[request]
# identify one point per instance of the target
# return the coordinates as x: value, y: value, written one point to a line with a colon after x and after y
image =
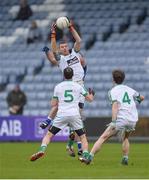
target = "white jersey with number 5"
x: 72, y: 60
x: 68, y: 95
x: 125, y: 96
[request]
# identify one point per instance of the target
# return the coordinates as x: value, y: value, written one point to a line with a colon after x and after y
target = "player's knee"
x: 54, y: 130
x: 80, y: 132
x: 81, y: 105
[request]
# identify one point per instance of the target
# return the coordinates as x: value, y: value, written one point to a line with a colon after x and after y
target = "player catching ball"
x: 124, y: 116
x: 63, y: 57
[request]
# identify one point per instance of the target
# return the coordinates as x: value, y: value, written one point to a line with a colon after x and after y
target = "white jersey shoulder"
x: 68, y: 95
x: 72, y: 60
x: 125, y: 96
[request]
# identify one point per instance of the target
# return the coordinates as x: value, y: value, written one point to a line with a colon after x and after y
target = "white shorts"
x: 121, y: 127
x: 73, y: 122
x: 81, y: 99
x: 125, y: 125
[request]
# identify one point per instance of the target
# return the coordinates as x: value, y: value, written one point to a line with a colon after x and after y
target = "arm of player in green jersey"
x: 139, y: 98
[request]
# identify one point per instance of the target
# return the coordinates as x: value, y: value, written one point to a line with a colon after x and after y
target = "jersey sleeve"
x: 112, y: 97
x: 73, y: 50
x: 84, y: 91
x: 55, y: 95
x: 136, y: 96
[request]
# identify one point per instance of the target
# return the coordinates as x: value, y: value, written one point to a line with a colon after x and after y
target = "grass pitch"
x: 15, y: 164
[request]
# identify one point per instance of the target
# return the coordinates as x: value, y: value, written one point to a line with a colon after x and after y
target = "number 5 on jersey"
x: 68, y: 96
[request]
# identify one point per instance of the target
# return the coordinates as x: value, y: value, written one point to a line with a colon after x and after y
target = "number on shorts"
x: 68, y: 96
x: 126, y: 98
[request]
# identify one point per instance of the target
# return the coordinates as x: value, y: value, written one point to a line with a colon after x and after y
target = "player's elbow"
x: 79, y: 41
x: 54, y: 103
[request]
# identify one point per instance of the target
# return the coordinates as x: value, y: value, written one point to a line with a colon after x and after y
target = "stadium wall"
x: 96, y: 126
x: 26, y: 128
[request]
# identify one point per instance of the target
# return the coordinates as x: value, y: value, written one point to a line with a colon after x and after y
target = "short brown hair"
x: 118, y: 76
x: 68, y: 73
x: 62, y: 42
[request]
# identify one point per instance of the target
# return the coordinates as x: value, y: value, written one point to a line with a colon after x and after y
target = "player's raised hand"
x: 53, y: 28
x: 68, y: 19
x: 70, y: 23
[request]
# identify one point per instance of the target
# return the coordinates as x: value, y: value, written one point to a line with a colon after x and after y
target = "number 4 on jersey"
x: 126, y: 98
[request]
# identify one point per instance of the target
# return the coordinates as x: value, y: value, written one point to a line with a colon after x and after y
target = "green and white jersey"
x: 72, y: 60
x: 68, y: 94
x: 125, y: 96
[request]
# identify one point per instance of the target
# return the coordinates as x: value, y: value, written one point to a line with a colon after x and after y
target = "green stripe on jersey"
x: 55, y: 97
x: 85, y: 94
x: 110, y: 98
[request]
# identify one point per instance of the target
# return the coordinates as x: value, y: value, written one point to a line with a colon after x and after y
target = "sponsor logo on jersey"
x: 72, y: 61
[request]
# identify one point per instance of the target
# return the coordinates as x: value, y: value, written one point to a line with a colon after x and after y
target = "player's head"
x: 68, y: 73
x: 118, y: 76
x: 64, y: 48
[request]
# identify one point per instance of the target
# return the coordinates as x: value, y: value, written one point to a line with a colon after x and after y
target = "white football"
x: 62, y: 22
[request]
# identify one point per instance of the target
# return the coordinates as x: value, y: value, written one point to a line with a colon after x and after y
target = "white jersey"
x: 72, y: 60
x: 68, y: 95
x: 125, y: 96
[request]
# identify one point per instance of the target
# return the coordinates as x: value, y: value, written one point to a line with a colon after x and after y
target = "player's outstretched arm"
x: 53, y: 111
x: 53, y: 43
x: 53, y: 39
x: 140, y: 99
x: 54, y: 102
x: 50, y: 56
x: 77, y: 44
